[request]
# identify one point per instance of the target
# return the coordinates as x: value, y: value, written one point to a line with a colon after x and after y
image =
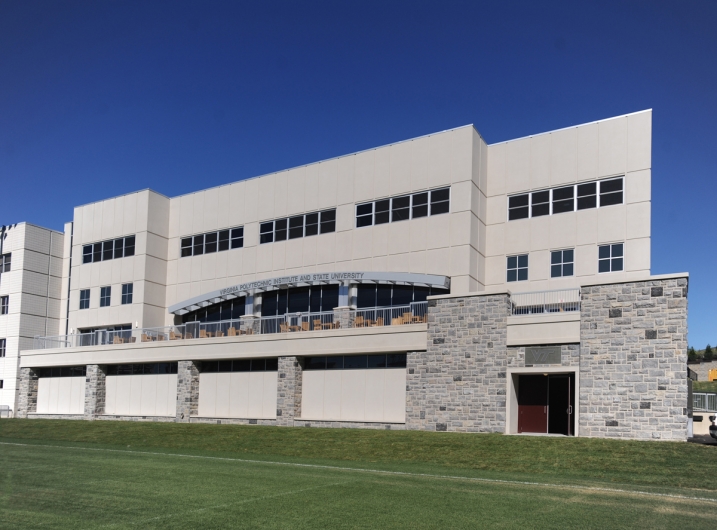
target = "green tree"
x: 709, y: 354
x: 691, y: 354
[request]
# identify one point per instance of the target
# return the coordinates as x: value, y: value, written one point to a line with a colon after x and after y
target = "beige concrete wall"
x: 607, y: 148
x: 551, y: 328
x: 141, y: 395
x: 33, y: 285
x: 447, y: 244
x: 61, y: 395
x: 354, y: 395
x: 144, y: 214
x: 238, y: 395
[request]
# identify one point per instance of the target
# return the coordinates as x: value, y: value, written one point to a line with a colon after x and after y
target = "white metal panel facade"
x: 141, y: 395
x: 61, y: 395
x: 238, y: 395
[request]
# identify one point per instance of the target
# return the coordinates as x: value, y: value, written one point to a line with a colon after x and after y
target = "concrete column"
x: 288, y: 391
x: 95, y: 391
x: 249, y: 305
x: 187, y: 390
x: 344, y: 294
x: 27, y: 394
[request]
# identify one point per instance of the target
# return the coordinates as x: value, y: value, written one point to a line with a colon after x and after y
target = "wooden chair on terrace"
x: 117, y: 340
x: 188, y: 336
x: 397, y: 321
x: 174, y: 336
x: 379, y: 321
x: 407, y: 318
x: 318, y: 324
x: 146, y: 338
x: 284, y: 328
x: 359, y: 322
x: 304, y: 326
x: 219, y: 334
x: 231, y: 332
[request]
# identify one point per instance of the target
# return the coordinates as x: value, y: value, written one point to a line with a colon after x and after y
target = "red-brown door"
x: 533, y: 403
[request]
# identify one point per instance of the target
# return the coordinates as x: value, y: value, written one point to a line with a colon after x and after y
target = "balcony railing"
x: 413, y: 313
x: 704, y: 402
x: 541, y: 302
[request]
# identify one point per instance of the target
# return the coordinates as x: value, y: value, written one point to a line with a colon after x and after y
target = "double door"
x: 545, y: 403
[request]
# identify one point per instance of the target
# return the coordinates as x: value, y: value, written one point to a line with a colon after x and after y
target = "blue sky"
x: 102, y: 98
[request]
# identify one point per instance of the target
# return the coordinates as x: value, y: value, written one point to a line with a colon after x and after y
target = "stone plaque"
x: 542, y: 355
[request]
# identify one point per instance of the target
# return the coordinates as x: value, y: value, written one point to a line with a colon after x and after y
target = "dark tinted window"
x: 540, y: 204
x: 401, y: 208
x: 381, y: 211
x: 296, y: 227
x: 563, y: 200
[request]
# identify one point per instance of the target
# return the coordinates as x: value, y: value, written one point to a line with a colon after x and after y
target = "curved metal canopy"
x: 302, y: 280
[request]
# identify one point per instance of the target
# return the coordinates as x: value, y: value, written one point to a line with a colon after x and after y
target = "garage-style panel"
x: 141, y: 389
x: 61, y: 390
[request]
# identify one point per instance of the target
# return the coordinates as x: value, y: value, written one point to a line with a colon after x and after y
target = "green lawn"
x: 72, y: 474
x: 704, y: 386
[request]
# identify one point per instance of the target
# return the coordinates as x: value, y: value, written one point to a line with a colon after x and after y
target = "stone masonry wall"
x: 187, y: 390
x: 288, y: 391
x: 458, y: 383
x: 633, y: 369
x: 27, y: 394
x: 95, y: 391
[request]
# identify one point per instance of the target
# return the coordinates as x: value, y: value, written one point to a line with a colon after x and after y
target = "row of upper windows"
x: 305, y: 225
x: 121, y: 247
x: 403, y: 208
x: 562, y: 262
x: 566, y: 199
x: 212, y: 242
x: 106, y: 296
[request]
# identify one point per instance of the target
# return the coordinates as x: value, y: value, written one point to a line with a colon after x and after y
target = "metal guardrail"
x: 541, y: 302
x: 291, y: 322
x: 706, y: 402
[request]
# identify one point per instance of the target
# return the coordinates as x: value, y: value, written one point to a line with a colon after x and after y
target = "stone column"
x: 633, y: 360
x: 27, y: 395
x: 458, y: 383
x: 95, y: 391
x: 288, y: 391
x: 344, y: 317
x: 187, y: 390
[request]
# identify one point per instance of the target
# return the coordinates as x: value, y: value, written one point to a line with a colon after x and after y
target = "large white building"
x: 333, y: 293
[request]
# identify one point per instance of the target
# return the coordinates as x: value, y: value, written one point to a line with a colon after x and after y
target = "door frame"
x: 511, y: 393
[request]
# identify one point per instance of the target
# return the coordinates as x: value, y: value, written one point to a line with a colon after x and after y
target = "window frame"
x: 384, y: 209
x: 562, y: 264
x: 612, y: 258
x: 127, y: 293
x: 6, y: 262
x: 3, y: 347
x: 212, y: 242
x: 281, y: 229
x: 5, y: 304
x: 580, y: 202
x: 117, y: 248
x: 105, y: 296
x: 517, y: 268
x: 84, y: 299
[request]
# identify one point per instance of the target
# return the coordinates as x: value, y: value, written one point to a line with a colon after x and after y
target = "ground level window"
x: 610, y: 258
x: 561, y: 263
x: 517, y: 268
x: 355, y: 362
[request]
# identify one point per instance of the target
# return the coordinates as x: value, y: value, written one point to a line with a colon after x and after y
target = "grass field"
x: 72, y: 474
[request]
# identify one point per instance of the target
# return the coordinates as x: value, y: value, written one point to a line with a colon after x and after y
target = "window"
x: 297, y: 226
x: 328, y: 221
x: 127, y: 289
x: 419, y: 205
x: 62, y: 371
x: 587, y: 195
x: 353, y: 362
x: 566, y: 199
x: 540, y: 203
x: 211, y: 242
x: 518, y: 207
x: 2, y: 384
x: 241, y: 365
x: 121, y: 247
x: 105, y: 295
x: 610, y: 257
x: 5, y: 262
x: 518, y: 268
x: 3, y: 347
x: 611, y: 192
x: 142, y: 369
x: 440, y: 201
x: 563, y: 199
x: 85, y: 299
x: 237, y: 237
x: 561, y: 263
x: 4, y: 304
x: 403, y: 208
